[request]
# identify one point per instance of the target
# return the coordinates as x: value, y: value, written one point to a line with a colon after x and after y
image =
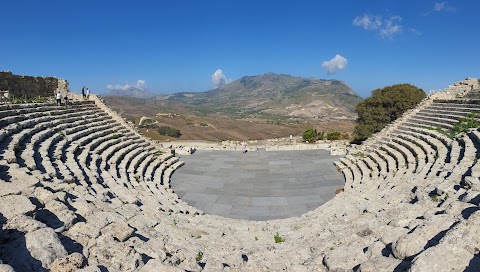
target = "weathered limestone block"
x: 103, y: 218
x: 6, y: 268
x: 154, y: 265
x: 83, y: 233
x: 43, y: 195
x: 8, y: 188
x: 22, y: 180
x: 413, y: 243
x: 444, y: 257
x: 69, y: 263
x: 115, y: 255
x: 345, y: 257
x: 24, y: 224
x: 466, y: 234
x: 380, y: 263
x: 44, y: 245
x: 57, y: 215
x: 13, y: 205
x: 119, y: 230
x: 129, y: 210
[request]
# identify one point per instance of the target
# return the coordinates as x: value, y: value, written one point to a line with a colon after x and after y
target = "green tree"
x: 385, y: 106
x: 310, y: 135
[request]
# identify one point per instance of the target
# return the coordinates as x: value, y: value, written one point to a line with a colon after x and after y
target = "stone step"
x: 433, y: 137
x: 362, y: 168
x: 408, y: 156
x: 348, y: 176
x: 417, y: 158
x: 355, y: 171
x: 431, y: 122
x: 380, y: 162
x: 150, y: 173
x: 391, y: 163
x: 159, y: 172
x: 29, y: 154
x: 450, y: 117
x: 120, y: 155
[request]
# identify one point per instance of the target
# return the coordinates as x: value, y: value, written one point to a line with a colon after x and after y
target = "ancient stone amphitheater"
x: 79, y: 189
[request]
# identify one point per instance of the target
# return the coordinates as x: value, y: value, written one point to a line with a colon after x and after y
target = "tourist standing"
x: 83, y: 92
x: 88, y: 94
x: 244, y: 147
x: 59, y: 98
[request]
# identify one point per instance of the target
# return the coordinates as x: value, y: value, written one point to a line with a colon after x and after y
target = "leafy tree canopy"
x: 385, y: 106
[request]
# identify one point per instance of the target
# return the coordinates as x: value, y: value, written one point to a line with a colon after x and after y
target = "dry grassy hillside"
x: 214, y: 128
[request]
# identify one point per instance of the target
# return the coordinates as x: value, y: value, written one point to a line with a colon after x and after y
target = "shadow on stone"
x: 4, y: 173
x: 70, y: 245
x: 14, y: 252
x: 403, y: 266
x: 49, y: 218
x: 468, y: 211
x: 473, y: 265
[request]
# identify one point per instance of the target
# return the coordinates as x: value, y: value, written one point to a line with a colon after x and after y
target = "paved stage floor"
x: 257, y: 185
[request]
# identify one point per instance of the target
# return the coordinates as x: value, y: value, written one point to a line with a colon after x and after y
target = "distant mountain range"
x: 131, y: 92
x: 274, y: 95
x: 267, y: 96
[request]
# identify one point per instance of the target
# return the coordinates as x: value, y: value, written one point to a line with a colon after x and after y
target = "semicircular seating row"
x: 417, y: 147
x: 71, y: 165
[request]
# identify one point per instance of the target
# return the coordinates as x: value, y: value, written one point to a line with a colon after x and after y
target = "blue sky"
x: 173, y: 46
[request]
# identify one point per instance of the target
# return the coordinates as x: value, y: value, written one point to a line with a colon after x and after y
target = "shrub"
x: 278, y: 238
x: 311, y: 135
x: 169, y: 131
x: 199, y: 256
x: 334, y: 135
x: 463, y: 125
x: 385, y: 106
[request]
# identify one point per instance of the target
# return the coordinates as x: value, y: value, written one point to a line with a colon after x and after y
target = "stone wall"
x: 29, y: 86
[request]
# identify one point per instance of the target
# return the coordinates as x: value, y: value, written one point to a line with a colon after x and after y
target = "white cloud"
x: 338, y: 63
x: 219, y: 79
x: 391, y: 27
x: 368, y: 22
x: 140, y: 85
x: 386, y: 27
x: 439, y: 6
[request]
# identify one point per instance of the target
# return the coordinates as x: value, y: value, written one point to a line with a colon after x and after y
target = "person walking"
x: 83, y: 92
x: 88, y: 94
x: 59, y: 98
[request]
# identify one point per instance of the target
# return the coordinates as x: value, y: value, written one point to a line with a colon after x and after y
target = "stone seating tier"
x: 88, y: 200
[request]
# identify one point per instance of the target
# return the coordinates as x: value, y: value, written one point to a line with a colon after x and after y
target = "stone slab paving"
x: 257, y: 185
